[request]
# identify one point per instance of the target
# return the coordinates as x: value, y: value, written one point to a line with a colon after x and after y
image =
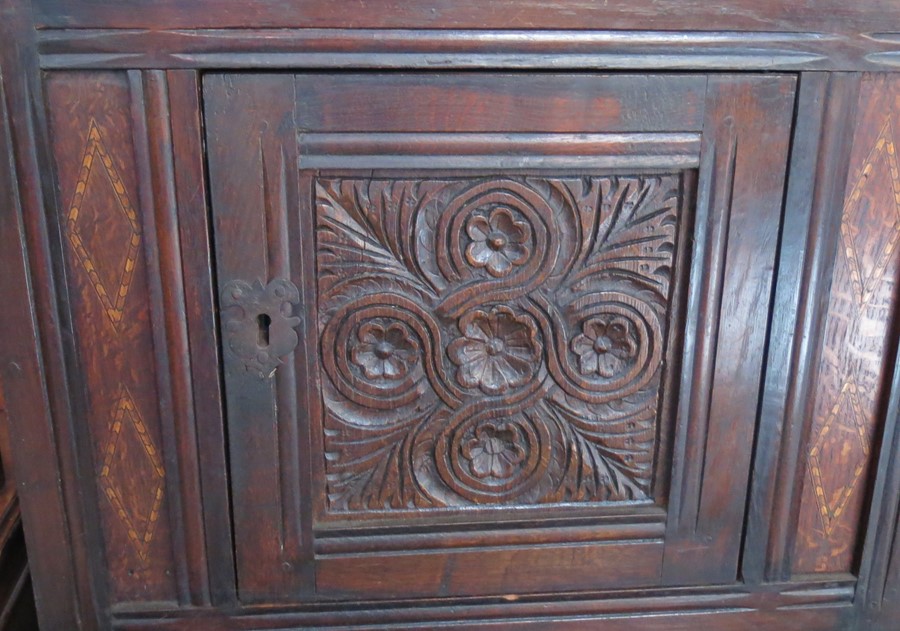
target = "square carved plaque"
x: 492, y: 340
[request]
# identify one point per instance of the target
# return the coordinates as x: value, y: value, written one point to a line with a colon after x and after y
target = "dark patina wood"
x: 537, y: 315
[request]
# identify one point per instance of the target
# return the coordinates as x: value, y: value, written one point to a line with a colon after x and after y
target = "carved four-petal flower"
x: 606, y: 346
x: 384, y: 351
x: 498, y: 350
x: 499, y: 242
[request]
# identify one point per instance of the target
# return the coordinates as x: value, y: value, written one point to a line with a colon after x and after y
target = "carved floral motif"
x: 497, y: 352
x: 499, y: 242
x: 384, y: 351
x: 549, y: 295
x: 605, y: 346
x: 495, y: 451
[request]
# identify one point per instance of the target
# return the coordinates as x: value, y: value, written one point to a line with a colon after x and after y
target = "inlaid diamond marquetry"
x: 132, y: 475
x: 877, y: 188
x: 101, y: 213
x: 842, y: 438
x: 842, y: 441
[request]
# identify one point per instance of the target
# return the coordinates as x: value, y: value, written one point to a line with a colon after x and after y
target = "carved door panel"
x: 529, y: 314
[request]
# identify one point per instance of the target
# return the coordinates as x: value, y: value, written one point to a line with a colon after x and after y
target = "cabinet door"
x: 492, y: 334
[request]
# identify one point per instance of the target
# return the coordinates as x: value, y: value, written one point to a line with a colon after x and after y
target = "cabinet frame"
x: 69, y: 586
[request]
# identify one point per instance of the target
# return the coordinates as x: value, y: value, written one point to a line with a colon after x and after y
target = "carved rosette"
x: 384, y: 350
x: 500, y: 242
x: 498, y: 350
x: 492, y: 341
x: 606, y: 346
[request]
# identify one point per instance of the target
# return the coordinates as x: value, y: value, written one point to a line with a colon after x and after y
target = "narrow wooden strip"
x: 716, y: 201
x: 22, y: 373
x: 202, y: 329
x: 489, y: 539
x: 889, y: 59
x: 880, y: 566
x: 491, y: 151
x: 635, y: 144
x: 675, y: 15
x: 338, y: 40
x: 278, y: 180
x: 712, y: 618
x: 809, y: 235
x: 498, y: 161
x: 183, y: 422
x: 637, y: 48
x: 155, y: 195
x: 642, y: 603
x: 708, y: 238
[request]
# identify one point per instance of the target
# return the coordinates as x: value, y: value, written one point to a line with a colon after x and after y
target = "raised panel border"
x: 291, y: 48
x: 816, y: 605
x: 431, y: 169
x: 516, y: 151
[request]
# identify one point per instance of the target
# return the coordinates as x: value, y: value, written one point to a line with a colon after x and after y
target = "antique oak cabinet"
x: 559, y: 314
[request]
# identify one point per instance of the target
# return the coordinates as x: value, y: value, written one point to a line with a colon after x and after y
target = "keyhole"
x: 263, y: 321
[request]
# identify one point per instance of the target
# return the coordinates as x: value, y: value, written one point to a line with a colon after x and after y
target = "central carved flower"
x: 384, y: 351
x: 495, y: 451
x: 499, y: 242
x: 498, y: 350
x: 606, y: 346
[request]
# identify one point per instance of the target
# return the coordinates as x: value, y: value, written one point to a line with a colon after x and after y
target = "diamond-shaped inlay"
x: 132, y: 475
x: 842, y: 444
x: 110, y: 268
x: 877, y: 187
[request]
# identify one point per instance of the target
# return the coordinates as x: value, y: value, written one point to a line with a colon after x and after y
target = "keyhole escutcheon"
x: 263, y: 322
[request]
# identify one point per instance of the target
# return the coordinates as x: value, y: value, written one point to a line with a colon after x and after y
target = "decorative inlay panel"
x: 868, y: 260
x: 99, y: 187
x: 850, y: 373
x: 844, y: 436
x: 494, y: 340
x: 118, y: 426
x: 137, y: 497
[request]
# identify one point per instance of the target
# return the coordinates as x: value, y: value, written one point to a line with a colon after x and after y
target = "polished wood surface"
x: 850, y: 383
x: 105, y: 240
x: 529, y: 315
x: 17, y: 610
x: 745, y: 15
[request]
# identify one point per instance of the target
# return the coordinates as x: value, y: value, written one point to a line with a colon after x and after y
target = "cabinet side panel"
x: 107, y: 276
x: 850, y: 383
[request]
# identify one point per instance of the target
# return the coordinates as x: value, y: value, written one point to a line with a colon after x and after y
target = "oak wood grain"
x: 511, y: 313
x: 842, y: 445
x: 105, y: 225
x: 747, y: 15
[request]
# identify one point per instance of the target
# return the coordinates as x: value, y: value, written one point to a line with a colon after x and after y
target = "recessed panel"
x: 492, y: 340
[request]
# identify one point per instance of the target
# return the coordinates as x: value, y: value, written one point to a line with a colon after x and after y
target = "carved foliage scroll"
x: 492, y: 341
x: 840, y: 453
